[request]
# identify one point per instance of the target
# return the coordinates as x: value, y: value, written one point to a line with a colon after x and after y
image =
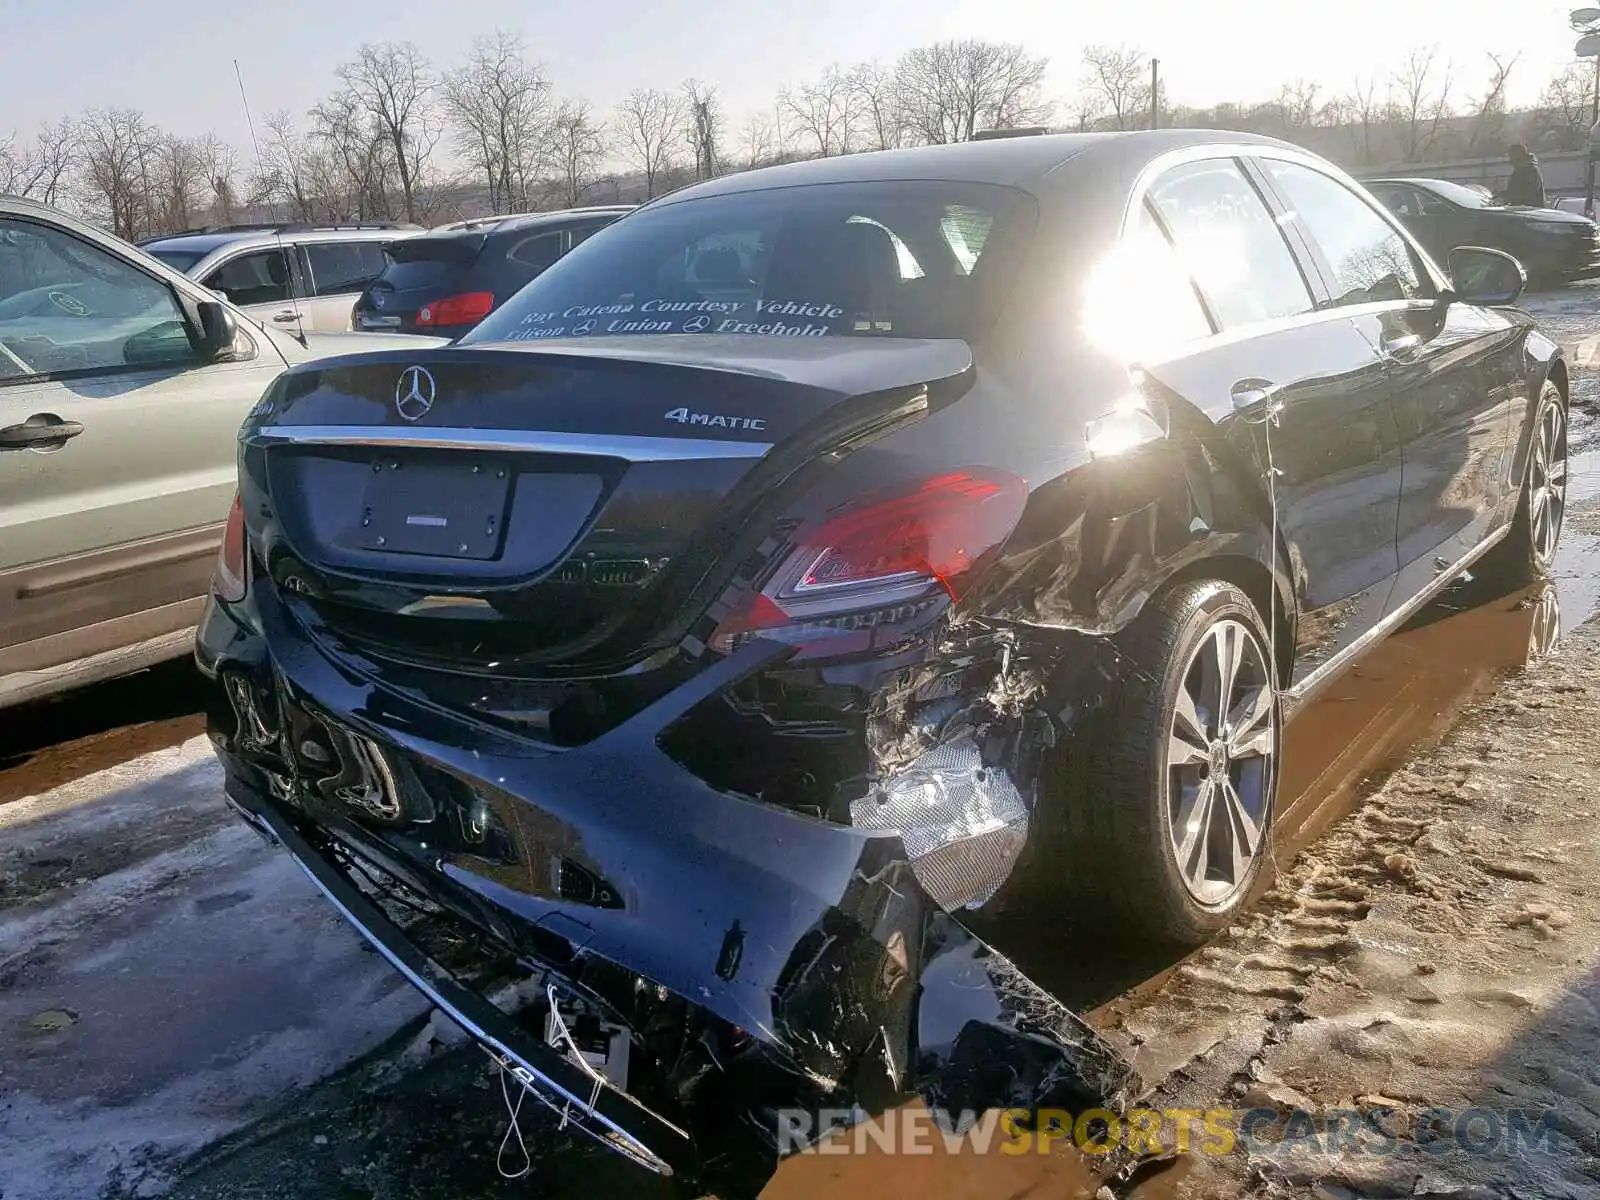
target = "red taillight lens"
x: 857, y: 580
x: 230, y: 583
x: 468, y: 308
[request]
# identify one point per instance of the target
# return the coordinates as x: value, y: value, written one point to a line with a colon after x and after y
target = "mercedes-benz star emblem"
x: 697, y: 324
x: 414, y: 393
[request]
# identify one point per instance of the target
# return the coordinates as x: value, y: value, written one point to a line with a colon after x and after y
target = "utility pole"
x: 1155, y: 94
x: 1586, y: 22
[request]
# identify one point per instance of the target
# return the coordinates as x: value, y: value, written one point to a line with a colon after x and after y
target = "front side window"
x: 1369, y: 259
x: 895, y: 259
x: 339, y: 268
x: 67, y: 306
x: 1230, y: 243
x: 261, y: 277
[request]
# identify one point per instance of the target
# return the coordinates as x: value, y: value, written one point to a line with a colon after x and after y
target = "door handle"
x: 1256, y: 400
x: 1401, y: 346
x: 285, y: 318
x: 41, y: 429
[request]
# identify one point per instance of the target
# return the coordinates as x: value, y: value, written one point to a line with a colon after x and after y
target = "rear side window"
x: 1230, y: 243
x: 893, y: 259
x: 1140, y: 301
x: 342, y: 267
x: 258, y: 278
x: 582, y: 233
x: 1370, y: 261
x: 538, y: 251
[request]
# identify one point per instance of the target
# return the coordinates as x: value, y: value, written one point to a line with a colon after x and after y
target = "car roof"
x: 511, y: 222
x: 1032, y: 163
x: 206, y: 243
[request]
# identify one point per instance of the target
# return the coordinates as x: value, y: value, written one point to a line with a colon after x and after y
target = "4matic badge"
x: 715, y: 420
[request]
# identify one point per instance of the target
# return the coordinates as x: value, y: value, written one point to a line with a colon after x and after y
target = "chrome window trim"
x: 522, y: 441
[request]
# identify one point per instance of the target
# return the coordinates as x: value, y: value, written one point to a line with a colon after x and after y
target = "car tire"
x: 1528, y: 551
x: 1138, y: 867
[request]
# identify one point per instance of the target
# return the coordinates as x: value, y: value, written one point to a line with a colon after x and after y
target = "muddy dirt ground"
x: 1430, y: 940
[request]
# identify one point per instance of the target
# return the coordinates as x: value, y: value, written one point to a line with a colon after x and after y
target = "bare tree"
x: 181, y: 185
x: 877, y: 100
x: 759, y: 140
x: 1120, y: 77
x: 649, y: 128
x: 283, y: 173
x: 824, y: 110
x: 220, y: 161
x: 1365, y: 110
x: 1423, y: 89
x: 40, y: 170
x: 118, y: 144
x: 1087, y: 109
x: 391, y: 86
x: 499, y: 108
x: 1297, y: 105
x: 951, y: 90
x: 355, y: 165
x: 704, y: 127
x: 579, y: 146
x: 1489, y: 111
x: 1566, y: 105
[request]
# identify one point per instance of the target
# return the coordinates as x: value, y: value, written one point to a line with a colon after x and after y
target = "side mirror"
x: 218, y: 329
x: 218, y: 293
x: 1488, y: 277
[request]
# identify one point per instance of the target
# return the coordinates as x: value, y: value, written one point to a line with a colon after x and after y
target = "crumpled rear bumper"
x: 812, y: 938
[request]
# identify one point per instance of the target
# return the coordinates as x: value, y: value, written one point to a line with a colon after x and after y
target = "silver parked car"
x: 294, y: 277
x: 122, y: 388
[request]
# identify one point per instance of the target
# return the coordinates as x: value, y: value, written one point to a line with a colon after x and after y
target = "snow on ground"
x: 165, y: 977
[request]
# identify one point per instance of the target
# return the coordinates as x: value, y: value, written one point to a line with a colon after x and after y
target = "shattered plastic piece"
x: 963, y: 824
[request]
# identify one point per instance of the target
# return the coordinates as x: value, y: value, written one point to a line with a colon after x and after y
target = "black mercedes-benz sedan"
x: 820, y: 556
x: 1553, y: 246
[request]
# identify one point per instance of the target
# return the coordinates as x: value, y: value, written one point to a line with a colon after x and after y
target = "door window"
x: 1230, y: 243
x: 1401, y: 201
x: 1369, y: 259
x: 340, y: 268
x: 68, y: 306
x: 1140, y: 300
x: 261, y: 277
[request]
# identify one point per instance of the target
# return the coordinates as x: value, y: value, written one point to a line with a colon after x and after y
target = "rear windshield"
x: 178, y: 260
x: 923, y: 259
x: 424, y: 261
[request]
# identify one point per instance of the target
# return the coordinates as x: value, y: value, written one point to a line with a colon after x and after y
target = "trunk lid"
x: 568, y: 502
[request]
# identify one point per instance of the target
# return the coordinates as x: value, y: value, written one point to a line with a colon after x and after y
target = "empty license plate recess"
x: 448, y: 508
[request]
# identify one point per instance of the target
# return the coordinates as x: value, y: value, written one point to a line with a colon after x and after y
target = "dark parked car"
x: 1553, y: 246
x: 826, y: 552
x: 449, y: 279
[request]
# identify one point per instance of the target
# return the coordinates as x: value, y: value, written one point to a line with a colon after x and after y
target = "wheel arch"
x: 1251, y: 577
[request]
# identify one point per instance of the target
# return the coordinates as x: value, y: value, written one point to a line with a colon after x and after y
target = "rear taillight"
x: 468, y: 308
x: 230, y: 583
x: 864, y: 578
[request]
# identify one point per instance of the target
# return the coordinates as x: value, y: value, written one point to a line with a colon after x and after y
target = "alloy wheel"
x: 1547, y: 483
x: 1220, y: 759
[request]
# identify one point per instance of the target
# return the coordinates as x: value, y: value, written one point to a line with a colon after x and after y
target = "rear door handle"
x: 40, y: 429
x: 285, y: 318
x: 1401, y: 346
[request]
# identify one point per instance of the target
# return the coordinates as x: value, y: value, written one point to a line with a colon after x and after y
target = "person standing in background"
x: 1526, y: 185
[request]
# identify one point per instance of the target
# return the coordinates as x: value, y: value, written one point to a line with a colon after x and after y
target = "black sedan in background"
x: 1553, y: 246
x: 447, y: 280
x: 826, y: 553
